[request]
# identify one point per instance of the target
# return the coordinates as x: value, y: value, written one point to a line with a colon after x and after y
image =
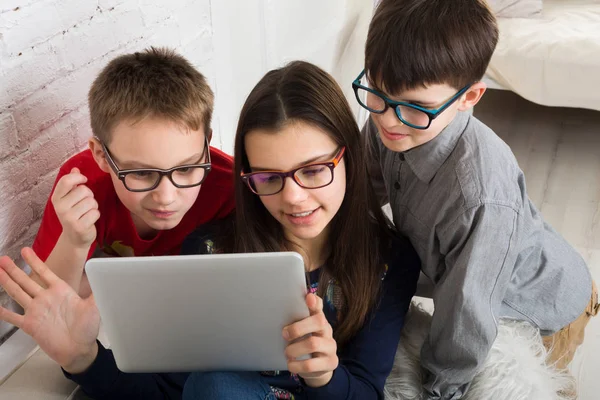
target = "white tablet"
x: 222, y: 312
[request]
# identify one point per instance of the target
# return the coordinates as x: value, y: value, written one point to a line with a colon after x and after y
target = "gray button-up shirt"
x: 461, y: 200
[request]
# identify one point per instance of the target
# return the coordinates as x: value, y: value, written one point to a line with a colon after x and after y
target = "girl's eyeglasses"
x: 311, y: 176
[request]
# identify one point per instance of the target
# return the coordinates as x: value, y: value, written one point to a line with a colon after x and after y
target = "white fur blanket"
x: 514, y: 370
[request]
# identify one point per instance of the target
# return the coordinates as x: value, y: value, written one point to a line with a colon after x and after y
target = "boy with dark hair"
x: 149, y: 177
x: 457, y: 192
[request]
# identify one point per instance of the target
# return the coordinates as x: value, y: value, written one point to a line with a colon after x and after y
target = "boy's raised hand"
x: 64, y: 325
x: 76, y: 208
x: 312, y: 335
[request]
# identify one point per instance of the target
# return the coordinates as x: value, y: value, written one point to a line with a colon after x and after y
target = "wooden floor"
x: 559, y: 151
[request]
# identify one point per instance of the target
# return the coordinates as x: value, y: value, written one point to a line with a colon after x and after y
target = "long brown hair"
x: 302, y: 92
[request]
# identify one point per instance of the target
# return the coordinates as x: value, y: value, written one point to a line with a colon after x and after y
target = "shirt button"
x: 397, y: 185
x: 401, y: 156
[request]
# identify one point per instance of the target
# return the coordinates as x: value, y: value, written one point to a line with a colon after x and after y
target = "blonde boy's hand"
x: 312, y: 335
x: 76, y: 208
x: 64, y: 325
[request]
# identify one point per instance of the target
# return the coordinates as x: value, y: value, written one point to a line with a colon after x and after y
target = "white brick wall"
x: 50, y: 51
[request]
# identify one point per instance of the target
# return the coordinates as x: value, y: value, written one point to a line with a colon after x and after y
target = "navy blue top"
x: 365, y: 361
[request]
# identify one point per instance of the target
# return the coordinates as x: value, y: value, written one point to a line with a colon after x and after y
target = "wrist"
x: 81, y: 362
x: 319, y: 381
x: 75, y: 245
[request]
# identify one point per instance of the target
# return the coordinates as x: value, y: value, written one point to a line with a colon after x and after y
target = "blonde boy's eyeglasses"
x: 146, y: 179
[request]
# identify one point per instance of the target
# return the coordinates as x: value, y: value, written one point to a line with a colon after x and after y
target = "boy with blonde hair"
x: 149, y: 177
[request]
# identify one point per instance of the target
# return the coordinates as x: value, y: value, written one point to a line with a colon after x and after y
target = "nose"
x: 389, y: 118
x: 165, y: 193
x: 293, y: 193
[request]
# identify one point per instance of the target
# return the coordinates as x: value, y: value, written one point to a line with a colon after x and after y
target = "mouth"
x: 163, y: 214
x: 303, y: 214
x: 393, y: 136
x: 303, y: 217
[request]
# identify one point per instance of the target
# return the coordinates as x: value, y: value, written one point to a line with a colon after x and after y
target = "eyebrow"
x: 140, y: 165
x: 321, y: 158
x: 414, y: 101
x: 423, y: 103
x: 418, y: 102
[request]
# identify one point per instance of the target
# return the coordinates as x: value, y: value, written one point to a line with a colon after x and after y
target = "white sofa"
x: 551, y: 58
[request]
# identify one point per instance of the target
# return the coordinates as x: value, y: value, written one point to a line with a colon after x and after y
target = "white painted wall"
x: 51, y: 50
x: 254, y: 36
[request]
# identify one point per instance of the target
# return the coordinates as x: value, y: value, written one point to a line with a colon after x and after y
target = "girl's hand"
x: 312, y: 336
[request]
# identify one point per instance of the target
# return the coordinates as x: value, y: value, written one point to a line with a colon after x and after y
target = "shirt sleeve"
x: 482, y: 244
x: 367, y: 360
x: 370, y: 134
x: 104, y: 381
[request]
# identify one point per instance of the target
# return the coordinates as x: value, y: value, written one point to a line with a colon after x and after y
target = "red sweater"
x: 116, y: 233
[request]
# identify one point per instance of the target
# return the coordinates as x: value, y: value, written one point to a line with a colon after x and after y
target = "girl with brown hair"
x: 304, y: 187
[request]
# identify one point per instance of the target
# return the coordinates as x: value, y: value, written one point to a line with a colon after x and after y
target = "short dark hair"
x: 156, y: 82
x: 413, y: 43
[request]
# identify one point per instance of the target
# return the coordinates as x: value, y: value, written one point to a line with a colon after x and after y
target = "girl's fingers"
x: 314, y: 303
x: 313, y: 365
x: 311, y: 345
x: 313, y: 324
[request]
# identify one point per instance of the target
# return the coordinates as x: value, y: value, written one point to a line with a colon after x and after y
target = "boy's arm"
x: 373, y: 154
x: 479, y: 263
x: 67, y: 232
x: 67, y: 262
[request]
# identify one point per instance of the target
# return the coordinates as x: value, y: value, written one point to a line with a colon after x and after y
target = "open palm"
x: 64, y: 325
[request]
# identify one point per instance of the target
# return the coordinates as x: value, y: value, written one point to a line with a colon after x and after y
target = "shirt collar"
x: 427, y: 159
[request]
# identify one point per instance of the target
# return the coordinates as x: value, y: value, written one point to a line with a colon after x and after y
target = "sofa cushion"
x: 516, y: 8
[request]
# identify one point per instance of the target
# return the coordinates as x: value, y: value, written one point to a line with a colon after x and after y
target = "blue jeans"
x: 226, y: 385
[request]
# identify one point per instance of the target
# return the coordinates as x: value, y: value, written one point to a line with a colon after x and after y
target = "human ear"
x: 98, y: 154
x: 472, y: 96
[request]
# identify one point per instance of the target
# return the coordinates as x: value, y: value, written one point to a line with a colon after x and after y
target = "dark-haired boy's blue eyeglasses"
x: 409, y: 114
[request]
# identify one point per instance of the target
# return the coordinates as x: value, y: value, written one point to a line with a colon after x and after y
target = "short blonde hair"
x: 157, y: 82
